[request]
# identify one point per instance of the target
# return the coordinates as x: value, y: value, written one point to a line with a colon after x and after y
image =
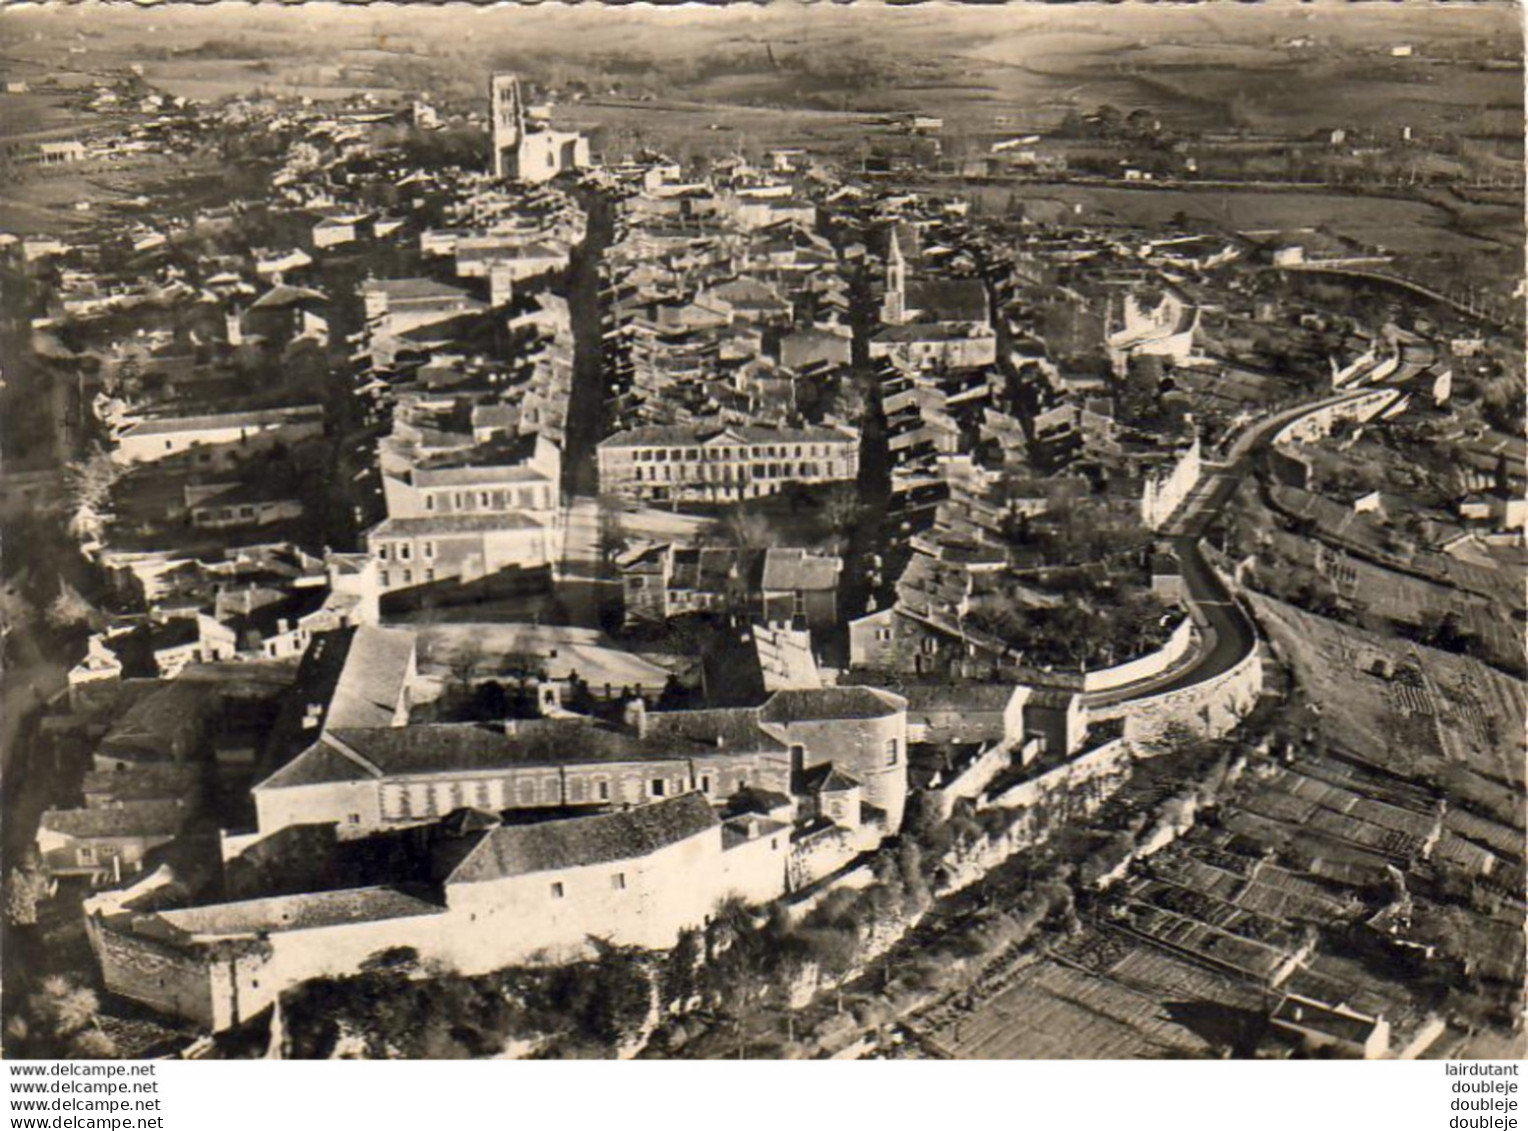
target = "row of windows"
x: 429, y: 799
x: 405, y: 577
x: 526, y: 498
x: 756, y: 452
x: 404, y: 551
x: 728, y: 474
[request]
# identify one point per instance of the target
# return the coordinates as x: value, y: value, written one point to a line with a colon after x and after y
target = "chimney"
x: 634, y: 716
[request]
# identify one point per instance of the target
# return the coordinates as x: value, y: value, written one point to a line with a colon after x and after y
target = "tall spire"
x: 894, y: 308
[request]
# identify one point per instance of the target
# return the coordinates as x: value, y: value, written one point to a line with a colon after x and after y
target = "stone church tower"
x: 894, y: 306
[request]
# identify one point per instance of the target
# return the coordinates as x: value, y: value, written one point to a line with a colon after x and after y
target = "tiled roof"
x: 282, y: 296
x: 733, y: 729
x: 803, y: 705
x: 667, y: 435
x: 304, y: 912
x: 953, y: 696
x: 143, y: 783
x: 442, y: 748
x: 253, y: 419
x: 129, y: 819
x: 793, y: 569
x: 828, y: 778
x: 472, y: 476
x: 320, y: 762
x: 453, y: 524
x: 413, y: 289
x: 375, y: 669
x: 519, y: 850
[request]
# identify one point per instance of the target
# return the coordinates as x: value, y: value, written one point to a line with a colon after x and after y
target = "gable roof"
x: 790, y: 568
x: 373, y: 676
x: 305, y: 911
x: 813, y: 704
x: 518, y: 850
x: 126, y: 819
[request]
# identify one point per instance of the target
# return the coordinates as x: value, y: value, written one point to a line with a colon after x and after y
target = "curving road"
x: 1225, y: 627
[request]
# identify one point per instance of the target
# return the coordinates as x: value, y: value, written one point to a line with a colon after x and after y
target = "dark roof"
x: 828, y: 778
x: 129, y: 819
x: 372, y: 676
x: 303, y: 912
x: 519, y: 850
x: 346, y: 754
x: 803, y: 705
x: 320, y: 762
x: 726, y: 728
x: 948, y: 300
x: 446, y: 524
x: 153, y: 782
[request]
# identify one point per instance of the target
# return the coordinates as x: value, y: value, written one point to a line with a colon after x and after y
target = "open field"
x: 1411, y: 226
x: 1438, y: 716
x: 1024, y: 65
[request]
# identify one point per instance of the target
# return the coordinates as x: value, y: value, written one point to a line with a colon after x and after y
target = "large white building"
x: 718, y: 463
x: 156, y: 438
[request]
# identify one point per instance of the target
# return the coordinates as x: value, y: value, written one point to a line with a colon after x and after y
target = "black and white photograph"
x: 772, y: 532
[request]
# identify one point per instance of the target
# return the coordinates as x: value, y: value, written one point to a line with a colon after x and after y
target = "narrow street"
x: 586, y: 401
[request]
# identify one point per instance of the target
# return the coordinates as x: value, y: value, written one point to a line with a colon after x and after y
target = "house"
x: 108, y: 843
x: 275, y: 265
x: 61, y: 152
x: 965, y: 712
x: 723, y: 462
x: 396, y: 306
x: 159, y: 722
x: 918, y: 642
x: 502, y: 895
x: 156, y: 438
x: 457, y: 547
x: 218, y: 506
x: 386, y: 776
x: 777, y: 585
x: 100, y: 672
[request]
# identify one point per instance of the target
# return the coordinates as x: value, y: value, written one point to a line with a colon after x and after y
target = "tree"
x: 24, y: 889
x: 842, y: 509
x: 69, y: 609
x: 749, y: 531
x: 63, y: 1007
x: 89, y: 481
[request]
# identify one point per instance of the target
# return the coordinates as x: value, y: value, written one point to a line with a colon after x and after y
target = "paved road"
x: 1227, y: 630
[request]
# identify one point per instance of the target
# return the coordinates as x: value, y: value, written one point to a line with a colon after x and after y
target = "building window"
x: 382, y: 552
x: 891, y: 752
x: 618, y: 881
x: 657, y: 787
x: 405, y: 551
x: 428, y: 549
x: 557, y: 891
x: 705, y: 783
x: 429, y: 502
x: 86, y: 853
x: 383, y: 579
x: 604, y: 791
x: 353, y: 818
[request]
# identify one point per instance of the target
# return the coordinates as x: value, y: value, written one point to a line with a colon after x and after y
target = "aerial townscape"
x: 816, y: 533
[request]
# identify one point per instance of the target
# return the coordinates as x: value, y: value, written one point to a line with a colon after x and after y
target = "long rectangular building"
x: 722, y: 463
